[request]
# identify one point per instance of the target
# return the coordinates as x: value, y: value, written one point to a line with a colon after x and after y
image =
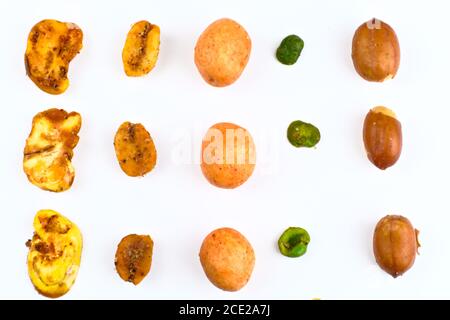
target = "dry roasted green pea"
x: 290, y: 49
x: 293, y: 242
x: 302, y: 134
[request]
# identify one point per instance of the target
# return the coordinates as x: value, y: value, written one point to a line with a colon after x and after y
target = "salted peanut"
x: 54, y: 253
x: 134, y: 257
x: 376, y: 51
x: 50, y: 48
x: 135, y: 149
x: 382, y: 134
x: 395, y: 244
x: 49, y: 149
x: 141, y: 49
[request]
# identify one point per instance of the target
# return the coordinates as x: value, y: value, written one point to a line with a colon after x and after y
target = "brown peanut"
x: 376, y: 51
x: 395, y: 244
x: 382, y: 135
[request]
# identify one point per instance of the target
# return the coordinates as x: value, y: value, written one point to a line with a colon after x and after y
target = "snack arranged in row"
x: 221, y: 53
x: 228, y: 152
x: 226, y: 256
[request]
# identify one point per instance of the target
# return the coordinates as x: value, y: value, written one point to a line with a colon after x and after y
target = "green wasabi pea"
x: 302, y: 134
x: 290, y: 49
x: 293, y: 242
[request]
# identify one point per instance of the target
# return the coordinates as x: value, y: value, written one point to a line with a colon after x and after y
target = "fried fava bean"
x: 135, y: 149
x: 49, y: 149
x: 51, y: 46
x: 54, y: 253
x: 134, y: 257
x: 141, y: 49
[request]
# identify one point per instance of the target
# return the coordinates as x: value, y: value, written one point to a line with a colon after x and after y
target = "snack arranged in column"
x: 51, y: 46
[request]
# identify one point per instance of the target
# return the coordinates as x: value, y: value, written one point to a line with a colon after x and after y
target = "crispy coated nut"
x: 135, y: 149
x: 382, y: 136
x: 134, y: 257
x: 49, y: 149
x: 227, y: 258
x: 222, y: 52
x: 54, y: 253
x: 228, y: 155
x: 50, y: 48
x: 141, y: 49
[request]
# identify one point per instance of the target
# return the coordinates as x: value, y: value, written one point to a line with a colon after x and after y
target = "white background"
x: 333, y: 191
